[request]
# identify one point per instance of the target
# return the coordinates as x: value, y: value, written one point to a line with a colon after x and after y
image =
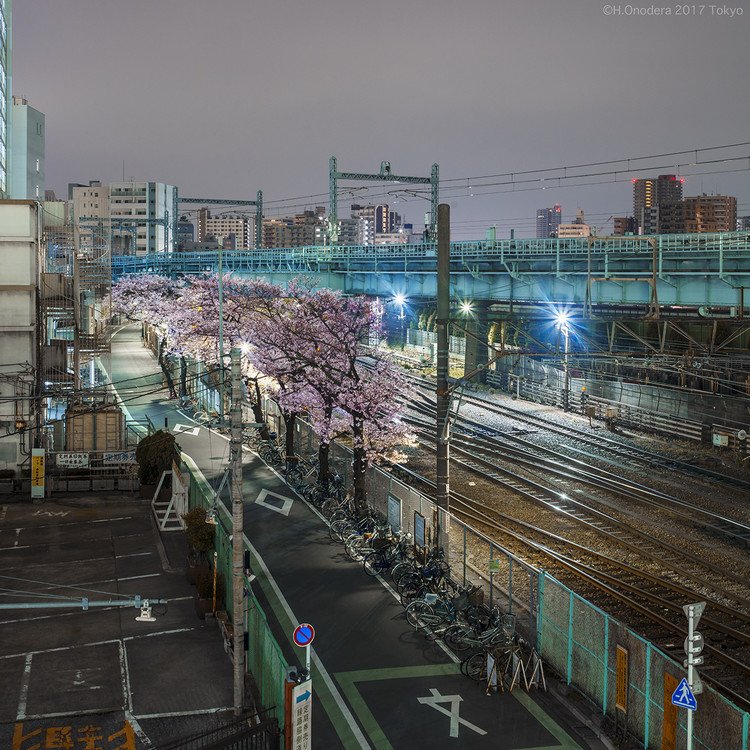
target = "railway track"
x: 469, y: 435
x: 614, y: 447
x: 652, y: 598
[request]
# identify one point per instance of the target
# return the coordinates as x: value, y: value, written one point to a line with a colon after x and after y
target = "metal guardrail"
x: 253, y: 732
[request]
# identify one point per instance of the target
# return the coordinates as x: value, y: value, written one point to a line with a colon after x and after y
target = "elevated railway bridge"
x: 677, y: 300
x: 690, y: 272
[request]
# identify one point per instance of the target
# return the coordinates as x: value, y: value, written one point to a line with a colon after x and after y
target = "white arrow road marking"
x: 286, y: 505
x: 455, y: 701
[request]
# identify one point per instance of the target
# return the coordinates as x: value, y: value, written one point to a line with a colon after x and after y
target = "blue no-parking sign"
x: 304, y: 634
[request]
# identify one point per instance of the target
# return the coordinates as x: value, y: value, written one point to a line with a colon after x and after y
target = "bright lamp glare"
x: 399, y: 299
x: 466, y: 307
x: 561, y: 318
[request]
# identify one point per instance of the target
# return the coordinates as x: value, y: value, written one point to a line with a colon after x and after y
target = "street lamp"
x: 400, y: 300
x: 467, y: 308
x: 563, y: 324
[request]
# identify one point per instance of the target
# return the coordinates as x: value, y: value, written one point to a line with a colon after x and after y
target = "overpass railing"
x: 295, y: 260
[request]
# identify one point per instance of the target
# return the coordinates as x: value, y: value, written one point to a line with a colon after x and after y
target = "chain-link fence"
x: 629, y: 678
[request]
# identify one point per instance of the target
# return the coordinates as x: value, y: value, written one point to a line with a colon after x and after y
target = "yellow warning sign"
x: 621, y: 693
x: 37, y: 472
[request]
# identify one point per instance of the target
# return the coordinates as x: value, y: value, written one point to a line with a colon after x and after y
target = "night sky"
x: 225, y: 97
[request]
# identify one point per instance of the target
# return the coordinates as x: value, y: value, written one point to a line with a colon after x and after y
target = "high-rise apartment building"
x: 27, y: 151
x: 624, y: 225
x: 710, y: 213
x: 239, y: 228
x: 5, y: 98
x: 650, y: 196
x: 140, y: 215
x: 374, y: 220
x: 547, y: 221
x: 743, y: 223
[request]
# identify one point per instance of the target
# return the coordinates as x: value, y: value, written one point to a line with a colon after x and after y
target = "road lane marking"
x: 24, y: 695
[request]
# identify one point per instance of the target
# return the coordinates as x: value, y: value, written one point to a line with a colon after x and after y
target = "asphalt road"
x: 376, y: 683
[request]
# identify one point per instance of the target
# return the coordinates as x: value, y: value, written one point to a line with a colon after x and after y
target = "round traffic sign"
x: 304, y: 634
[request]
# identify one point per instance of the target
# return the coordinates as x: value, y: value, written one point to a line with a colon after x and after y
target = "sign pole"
x: 238, y: 590
x: 307, y: 659
x: 691, y: 631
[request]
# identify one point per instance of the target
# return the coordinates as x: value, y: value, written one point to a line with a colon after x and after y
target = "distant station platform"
x: 376, y: 682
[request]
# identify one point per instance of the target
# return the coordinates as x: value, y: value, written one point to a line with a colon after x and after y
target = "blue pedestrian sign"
x: 683, y: 696
x: 304, y: 634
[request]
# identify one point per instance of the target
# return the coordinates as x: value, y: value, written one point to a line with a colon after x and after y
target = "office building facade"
x: 239, y: 228
x: 140, y: 215
x: 27, y: 152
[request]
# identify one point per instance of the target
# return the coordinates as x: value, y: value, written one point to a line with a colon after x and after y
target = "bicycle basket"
x: 430, y: 598
x: 476, y: 597
x: 380, y: 543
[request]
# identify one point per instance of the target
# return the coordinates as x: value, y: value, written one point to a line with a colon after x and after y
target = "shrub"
x: 204, y: 585
x: 200, y: 533
x: 154, y: 455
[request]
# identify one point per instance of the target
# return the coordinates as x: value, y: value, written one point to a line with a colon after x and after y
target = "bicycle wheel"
x: 337, y: 529
x: 419, y: 614
x: 355, y: 546
x: 457, y: 638
x: 330, y: 507
x: 375, y: 563
x: 294, y: 477
x: 399, y: 570
x: 411, y: 592
x: 475, y: 666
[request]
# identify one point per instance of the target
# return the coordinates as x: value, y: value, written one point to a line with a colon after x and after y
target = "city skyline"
x: 282, y: 116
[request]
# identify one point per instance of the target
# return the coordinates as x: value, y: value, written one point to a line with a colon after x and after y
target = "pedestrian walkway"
x: 376, y: 683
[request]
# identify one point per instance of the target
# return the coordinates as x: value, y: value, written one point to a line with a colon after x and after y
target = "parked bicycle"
x: 379, y: 560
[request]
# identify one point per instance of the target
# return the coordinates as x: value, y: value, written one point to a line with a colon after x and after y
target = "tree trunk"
x: 257, y: 406
x: 359, y: 466
x: 290, y: 419
x: 165, y: 369
x: 324, y: 450
x: 183, y: 377
x: 324, y: 469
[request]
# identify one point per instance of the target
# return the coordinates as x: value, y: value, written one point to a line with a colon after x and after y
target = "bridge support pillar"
x: 476, y: 351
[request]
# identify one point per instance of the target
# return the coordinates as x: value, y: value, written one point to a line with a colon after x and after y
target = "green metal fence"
x: 581, y: 642
x: 264, y: 658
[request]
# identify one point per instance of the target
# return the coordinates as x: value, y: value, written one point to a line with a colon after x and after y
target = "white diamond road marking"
x: 286, y: 506
x: 187, y: 429
x: 455, y: 701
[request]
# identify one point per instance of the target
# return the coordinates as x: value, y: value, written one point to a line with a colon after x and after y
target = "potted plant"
x: 154, y: 455
x: 204, y: 592
x: 200, y: 534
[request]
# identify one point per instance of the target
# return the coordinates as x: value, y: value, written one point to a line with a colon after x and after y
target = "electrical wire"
x: 61, y: 586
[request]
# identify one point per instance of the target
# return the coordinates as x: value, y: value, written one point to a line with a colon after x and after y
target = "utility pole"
x: 442, y: 491
x: 238, y: 592
x: 222, y: 389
